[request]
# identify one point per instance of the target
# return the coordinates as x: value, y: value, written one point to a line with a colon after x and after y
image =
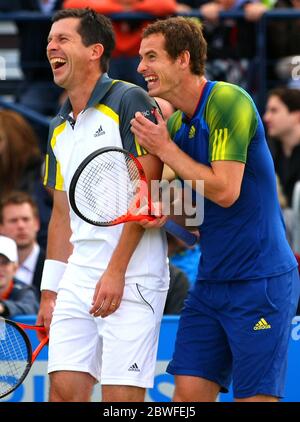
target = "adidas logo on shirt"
x: 261, y: 325
x: 99, y: 132
x: 192, y: 132
x: 134, y: 367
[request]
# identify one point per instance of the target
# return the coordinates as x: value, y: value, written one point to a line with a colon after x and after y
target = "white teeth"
x: 57, y: 60
x: 150, y: 79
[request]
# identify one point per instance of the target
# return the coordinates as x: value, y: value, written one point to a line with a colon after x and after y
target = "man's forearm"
x: 187, y: 169
x: 222, y: 181
x: 130, y: 238
x: 59, y: 246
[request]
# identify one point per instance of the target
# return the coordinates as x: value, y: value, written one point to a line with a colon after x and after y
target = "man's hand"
x: 45, y: 313
x: 153, y: 137
x: 156, y: 210
x: 108, y: 293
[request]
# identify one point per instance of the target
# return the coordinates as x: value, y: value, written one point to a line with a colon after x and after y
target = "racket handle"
x: 176, y: 230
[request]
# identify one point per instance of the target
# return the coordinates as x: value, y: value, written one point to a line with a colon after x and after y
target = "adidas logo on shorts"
x: 134, y: 367
x: 261, y: 325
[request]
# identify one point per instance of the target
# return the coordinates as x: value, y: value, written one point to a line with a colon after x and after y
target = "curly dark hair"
x: 182, y: 34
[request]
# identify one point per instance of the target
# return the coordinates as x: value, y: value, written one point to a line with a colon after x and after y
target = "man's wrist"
x: 48, y: 294
x: 52, y: 274
x: 166, y: 152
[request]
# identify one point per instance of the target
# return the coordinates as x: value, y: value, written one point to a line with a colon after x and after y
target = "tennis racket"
x: 16, y: 355
x: 109, y: 187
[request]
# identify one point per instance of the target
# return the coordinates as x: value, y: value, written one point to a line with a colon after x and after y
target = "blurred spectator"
x: 20, y: 156
x: 179, y: 286
x: 16, y: 298
x: 19, y: 220
x: 231, y: 44
x: 21, y: 164
x: 282, y: 119
x: 254, y: 10
x: 184, y: 258
x: 283, y: 41
x: 125, y: 58
x: 287, y: 39
x: 37, y: 91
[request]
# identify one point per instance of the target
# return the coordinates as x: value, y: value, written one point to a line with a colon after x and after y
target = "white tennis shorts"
x: 120, y: 349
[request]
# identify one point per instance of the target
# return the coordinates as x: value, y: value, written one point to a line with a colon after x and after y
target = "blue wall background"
x: 35, y: 387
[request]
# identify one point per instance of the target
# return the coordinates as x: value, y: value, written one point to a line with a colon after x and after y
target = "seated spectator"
x: 282, y: 46
x: 21, y: 164
x: 125, y: 58
x: 19, y: 220
x: 179, y: 286
x: 16, y: 298
x: 282, y: 120
x: 231, y: 44
x: 255, y: 9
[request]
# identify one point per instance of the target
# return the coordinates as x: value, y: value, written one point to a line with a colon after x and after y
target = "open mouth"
x: 151, y: 79
x: 57, y: 63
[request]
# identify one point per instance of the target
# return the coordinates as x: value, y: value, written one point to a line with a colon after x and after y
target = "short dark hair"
x: 289, y: 96
x: 18, y: 198
x: 93, y: 28
x: 182, y: 34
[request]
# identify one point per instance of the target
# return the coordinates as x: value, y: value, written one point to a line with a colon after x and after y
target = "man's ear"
x: 184, y: 59
x: 97, y: 51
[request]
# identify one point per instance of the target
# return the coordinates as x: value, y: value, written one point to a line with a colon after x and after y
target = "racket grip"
x: 176, y: 230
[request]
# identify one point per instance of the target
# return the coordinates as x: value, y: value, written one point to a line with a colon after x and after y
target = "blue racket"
x: 16, y: 354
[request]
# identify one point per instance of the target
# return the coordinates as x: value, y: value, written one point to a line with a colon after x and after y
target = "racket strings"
x: 107, y: 187
x: 14, y: 357
x: 93, y: 179
x: 96, y: 195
